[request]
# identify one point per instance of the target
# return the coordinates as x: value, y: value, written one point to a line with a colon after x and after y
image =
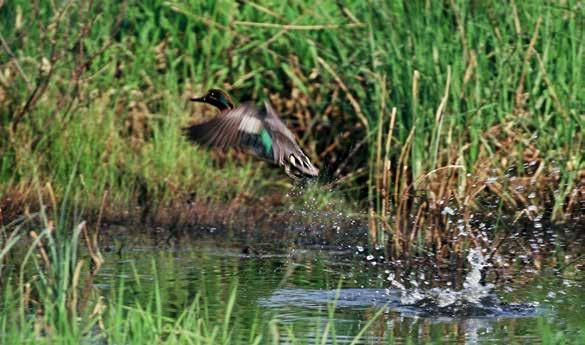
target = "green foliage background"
x: 99, y: 89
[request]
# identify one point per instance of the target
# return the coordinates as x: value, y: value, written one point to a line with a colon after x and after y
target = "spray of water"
x: 473, y: 290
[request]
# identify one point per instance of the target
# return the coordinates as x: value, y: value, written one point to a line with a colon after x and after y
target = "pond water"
x: 296, y: 287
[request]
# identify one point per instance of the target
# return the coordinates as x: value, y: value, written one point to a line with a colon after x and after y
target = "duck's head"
x: 217, y: 98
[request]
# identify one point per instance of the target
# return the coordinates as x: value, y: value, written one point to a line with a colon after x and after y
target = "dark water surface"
x: 296, y: 286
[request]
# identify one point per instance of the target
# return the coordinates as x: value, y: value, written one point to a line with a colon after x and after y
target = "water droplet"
x: 448, y: 210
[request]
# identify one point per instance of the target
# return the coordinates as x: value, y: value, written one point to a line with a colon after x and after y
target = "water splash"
x: 473, y: 290
x: 474, y: 300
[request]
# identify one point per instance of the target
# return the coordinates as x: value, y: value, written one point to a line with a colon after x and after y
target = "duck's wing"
x: 285, y: 149
x: 261, y: 132
x: 242, y: 127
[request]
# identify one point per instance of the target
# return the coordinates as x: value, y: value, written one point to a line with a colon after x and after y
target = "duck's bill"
x: 198, y: 99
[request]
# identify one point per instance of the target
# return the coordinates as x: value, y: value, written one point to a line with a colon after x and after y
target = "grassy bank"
x: 408, y: 107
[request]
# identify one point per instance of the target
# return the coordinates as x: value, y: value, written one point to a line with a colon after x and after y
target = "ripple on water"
x: 486, y: 307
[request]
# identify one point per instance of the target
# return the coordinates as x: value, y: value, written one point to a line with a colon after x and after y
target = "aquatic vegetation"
x: 438, y: 127
x: 52, y: 297
x: 435, y: 118
x: 71, y: 286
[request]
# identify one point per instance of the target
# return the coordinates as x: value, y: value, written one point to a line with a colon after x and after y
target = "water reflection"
x: 297, y: 287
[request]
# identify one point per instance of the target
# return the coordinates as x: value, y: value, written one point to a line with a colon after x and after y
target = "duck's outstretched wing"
x: 259, y: 131
x: 242, y: 127
x: 286, y: 151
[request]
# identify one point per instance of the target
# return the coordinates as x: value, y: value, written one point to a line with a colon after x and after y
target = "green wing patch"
x: 266, y: 141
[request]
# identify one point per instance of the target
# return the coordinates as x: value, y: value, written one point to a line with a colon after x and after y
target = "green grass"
x: 479, y: 89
